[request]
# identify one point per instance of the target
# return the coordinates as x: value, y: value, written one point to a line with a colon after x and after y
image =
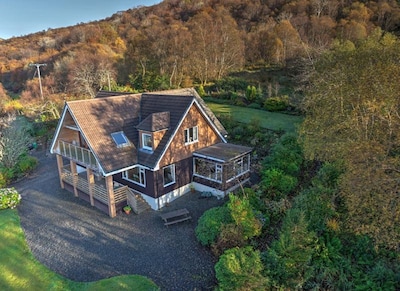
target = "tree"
x: 91, y: 71
x: 288, y: 260
x: 14, y: 139
x: 352, y: 115
x: 218, y: 47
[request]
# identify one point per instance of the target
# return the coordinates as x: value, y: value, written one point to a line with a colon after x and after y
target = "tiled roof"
x: 177, y: 106
x: 155, y: 122
x: 193, y: 92
x: 223, y: 151
x: 98, y: 118
x: 102, y: 94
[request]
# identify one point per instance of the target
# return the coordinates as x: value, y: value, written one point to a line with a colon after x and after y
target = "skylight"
x: 120, y: 139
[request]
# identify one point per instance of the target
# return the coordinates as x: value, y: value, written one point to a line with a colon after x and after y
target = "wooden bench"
x: 175, y: 216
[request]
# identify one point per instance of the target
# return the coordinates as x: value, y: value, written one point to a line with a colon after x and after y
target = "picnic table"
x: 175, y: 216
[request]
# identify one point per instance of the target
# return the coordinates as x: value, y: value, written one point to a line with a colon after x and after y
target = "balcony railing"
x: 99, y: 191
x: 77, y: 154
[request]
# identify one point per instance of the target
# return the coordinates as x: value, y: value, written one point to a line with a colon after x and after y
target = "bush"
x: 277, y: 103
x: 26, y: 163
x: 277, y: 184
x: 286, y: 155
x: 244, y: 216
x: 6, y: 174
x: 232, y: 84
x: 9, y: 198
x: 230, y: 236
x: 251, y: 93
x: 201, y: 91
x: 287, y: 261
x: 210, y: 223
x: 240, y: 269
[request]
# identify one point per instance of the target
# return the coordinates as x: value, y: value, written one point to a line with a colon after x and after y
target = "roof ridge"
x: 103, y: 99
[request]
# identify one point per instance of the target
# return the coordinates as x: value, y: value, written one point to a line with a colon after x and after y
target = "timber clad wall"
x: 66, y: 134
x: 183, y: 174
x: 150, y: 184
x: 154, y: 180
x: 157, y: 137
x: 178, y: 150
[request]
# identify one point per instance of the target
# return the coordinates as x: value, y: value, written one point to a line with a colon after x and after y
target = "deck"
x: 98, y: 190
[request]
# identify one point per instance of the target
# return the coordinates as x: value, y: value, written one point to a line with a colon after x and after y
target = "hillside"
x: 180, y: 43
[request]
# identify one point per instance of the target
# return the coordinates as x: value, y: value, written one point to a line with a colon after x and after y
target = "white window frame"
x: 194, y: 131
x: 215, y: 176
x: 172, y: 167
x: 141, y: 176
x: 240, y: 167
x: 144, y: 145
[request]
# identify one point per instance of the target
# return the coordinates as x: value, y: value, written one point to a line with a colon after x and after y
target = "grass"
x: 269, y: 120
x: 21, y: 271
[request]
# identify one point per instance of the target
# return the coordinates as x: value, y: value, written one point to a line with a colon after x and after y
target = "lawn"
x: 21, y: 271
x: 270, y: 120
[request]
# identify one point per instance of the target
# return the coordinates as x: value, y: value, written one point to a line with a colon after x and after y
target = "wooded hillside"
x: 177, y: 43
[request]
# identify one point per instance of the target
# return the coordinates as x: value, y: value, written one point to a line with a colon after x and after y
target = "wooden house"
x: 147, y: 149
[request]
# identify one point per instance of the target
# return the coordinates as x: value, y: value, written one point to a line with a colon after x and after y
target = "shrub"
x: 244, y: 216
x: 26, y: 163
x: 240, y: 269
x: 277, y: 184
x: 230, y: 84
x: 230, y: 236
x: 287, y: 262
x: 6, y: 174
x: 201, y: 91
x: 251, y: 93
x: 9, y: 198
x: 210, y: 223
x: 286, y: 155
x: 277, y: 103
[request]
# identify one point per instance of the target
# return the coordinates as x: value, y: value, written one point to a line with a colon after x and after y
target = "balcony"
x: 77, y: 154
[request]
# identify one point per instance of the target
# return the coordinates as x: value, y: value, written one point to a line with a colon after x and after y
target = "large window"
x: 191, y: 135
x: 147, y: 142
x: 208, y: 169
x: 136, y: 175
x: 238, y: 167
x: 169, y: 175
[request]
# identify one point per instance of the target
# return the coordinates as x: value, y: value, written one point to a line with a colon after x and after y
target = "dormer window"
x: 191, y: 135
x: 147, y: 141
x: 120, y: 139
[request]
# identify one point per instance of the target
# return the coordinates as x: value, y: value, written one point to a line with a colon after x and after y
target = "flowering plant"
x: 9, y: 198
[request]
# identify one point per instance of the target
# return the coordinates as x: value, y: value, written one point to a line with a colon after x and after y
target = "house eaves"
x: 194, y: 102
x: 67, y: 109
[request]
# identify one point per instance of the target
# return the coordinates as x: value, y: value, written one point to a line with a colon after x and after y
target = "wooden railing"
x: 99, y: 191
x: 77, y: 154
x: 131, y: 197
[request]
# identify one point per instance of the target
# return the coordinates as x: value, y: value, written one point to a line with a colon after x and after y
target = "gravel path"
x: 83, y: 244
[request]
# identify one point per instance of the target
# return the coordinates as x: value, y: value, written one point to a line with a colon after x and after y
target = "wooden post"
x: 74, y: 177
x: 90, y: 178
x: 112, y: 212
x: 60, y: 165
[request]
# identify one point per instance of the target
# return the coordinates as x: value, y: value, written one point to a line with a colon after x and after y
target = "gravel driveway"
x: 81, y: 243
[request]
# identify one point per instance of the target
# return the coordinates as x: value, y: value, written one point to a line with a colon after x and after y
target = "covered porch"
x: 222, y: 167
x: 100, y: 192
